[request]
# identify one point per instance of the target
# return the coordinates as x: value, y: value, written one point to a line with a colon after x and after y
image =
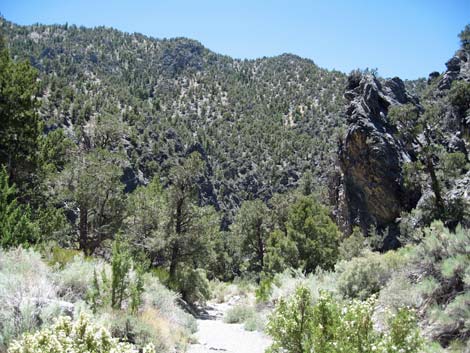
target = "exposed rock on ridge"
x: 458, y: 69
x: 369, y: 187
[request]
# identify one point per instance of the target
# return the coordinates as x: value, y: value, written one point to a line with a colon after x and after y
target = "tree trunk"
x: 260, y: 246
x: 174, y: 261
x: 83, y: 230
x: 436, y: 188
x: 175, y: 247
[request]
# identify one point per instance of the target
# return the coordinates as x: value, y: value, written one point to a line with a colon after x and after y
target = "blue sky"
x: 406, y: 38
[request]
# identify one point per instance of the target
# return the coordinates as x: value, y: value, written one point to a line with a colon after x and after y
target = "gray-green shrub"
x: 254, y: 323
x: 442, y: 262
x: 75, y: 279
x: 28, y: 296
x: 129, y: 328
x: 157, y: 296
x: 363, y: 276
x: 239, y: 314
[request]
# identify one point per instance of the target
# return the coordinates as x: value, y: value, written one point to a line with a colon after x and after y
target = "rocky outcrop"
x: 457, y: 119
x: 458, y: 200
x: 458, y: 68
x: 369, y: 188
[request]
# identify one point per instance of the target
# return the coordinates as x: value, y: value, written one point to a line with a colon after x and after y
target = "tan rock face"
x: 372, y: 168
x: 371, y: 190
x: 368, y: 188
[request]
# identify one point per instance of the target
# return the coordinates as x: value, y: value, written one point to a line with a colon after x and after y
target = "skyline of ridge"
x: 338, y: 35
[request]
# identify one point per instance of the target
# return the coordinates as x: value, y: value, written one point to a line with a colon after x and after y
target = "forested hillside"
x: 259, y: 124
x: 141, y: 179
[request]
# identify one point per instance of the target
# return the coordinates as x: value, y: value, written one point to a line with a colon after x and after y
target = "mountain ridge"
x: 199, y: 95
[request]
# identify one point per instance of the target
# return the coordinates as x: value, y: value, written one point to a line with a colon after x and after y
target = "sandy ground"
x: 214, y: 335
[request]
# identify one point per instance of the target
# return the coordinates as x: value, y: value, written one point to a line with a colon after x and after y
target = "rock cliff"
x: 369, y: 188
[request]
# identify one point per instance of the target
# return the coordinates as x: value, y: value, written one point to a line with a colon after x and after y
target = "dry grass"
x: 169, y: 335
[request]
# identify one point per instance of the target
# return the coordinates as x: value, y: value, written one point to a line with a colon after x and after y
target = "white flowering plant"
x: 81, y: 336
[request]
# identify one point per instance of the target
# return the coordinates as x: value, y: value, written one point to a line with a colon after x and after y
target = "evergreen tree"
x: 120, y: 266
x: 465, y: 37
x: 19, y: 122
x: 316, y: 236
x: 423, y: 128
x: 252, y: 224
x: 147, y: 219
x: 16, y: 226
x: 191, y: 229
x: 91, y: 185
x: 281, y: 253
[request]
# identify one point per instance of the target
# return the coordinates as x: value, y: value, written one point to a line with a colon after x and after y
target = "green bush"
x: 329, y: 326
x: 193, y: 285
x: 121, y: 264
x: 291, y: 324
x: 442, y: 263
x: 239, y: 314
x: 459, y: 95
x: 57, y: 256
x: 281, y: 253
x: 254, y: 323
x: 363, y: 276
x: 403, y: 335
x: 131, y: 329
x: 16, y: 224
x: 353, y: 246
x: 81, y: 336
x: 264, y: 290
x: 161, y: 273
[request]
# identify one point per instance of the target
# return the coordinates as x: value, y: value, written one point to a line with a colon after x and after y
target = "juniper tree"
x: 422, y: 128
x: 16, y: 226
x: 252, y: 225
x: 316, y: 236
x: 91, y: 186
x: 19, y: 121
x: 190, y: 228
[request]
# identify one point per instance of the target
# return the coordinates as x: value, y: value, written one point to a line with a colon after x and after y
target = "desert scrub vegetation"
x: 224, y: 291
x: 239, y: 314
x: 365, y: 275
x: 80, y: 336
x: 130, y: 159
x: 161, y: 299
x: 75, y: 279
x: 285, y: 284
x: 28, y: 296
x: 429, y: 277
x: 252, y: 317
x: 331, y: 326
x: 436, y: 283
x: 34, y: 294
